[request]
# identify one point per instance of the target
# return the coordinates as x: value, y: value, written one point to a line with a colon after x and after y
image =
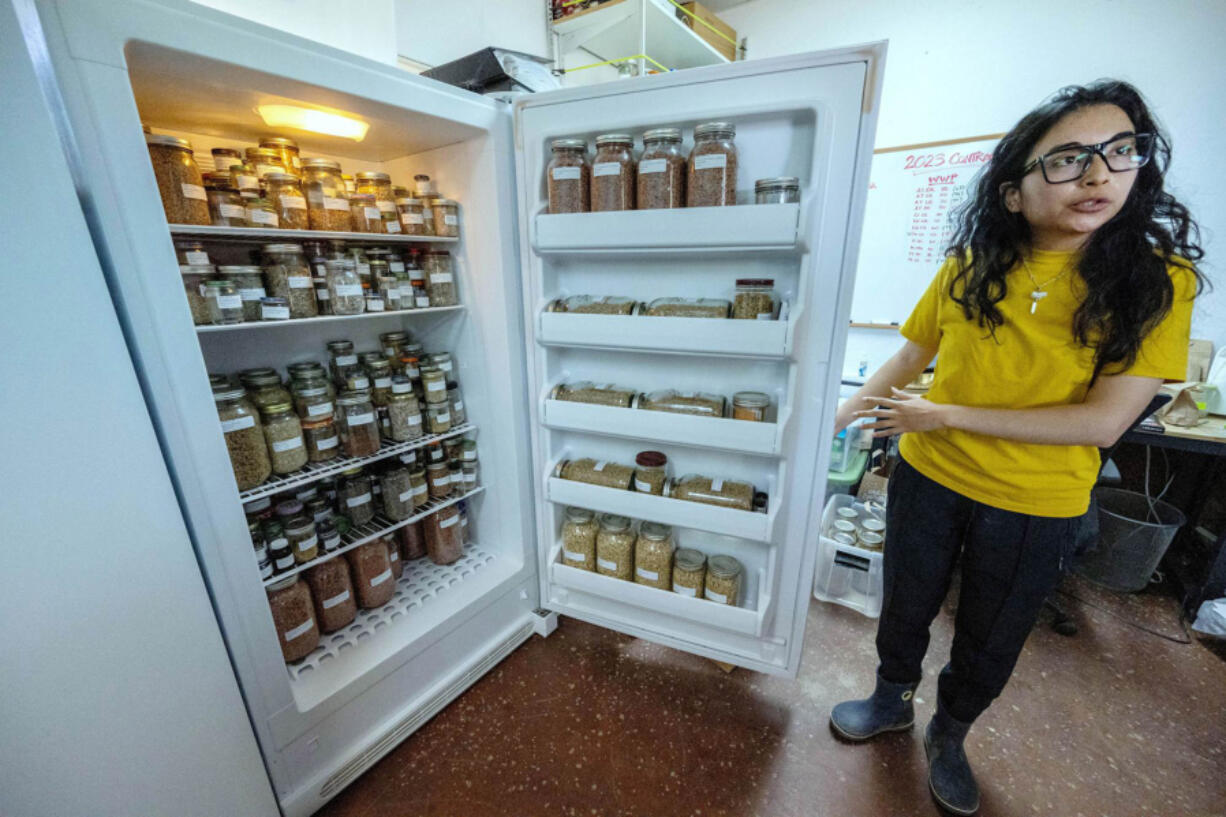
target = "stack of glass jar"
x: 315, y: 278
x: 352, y: 407
x: 752, y: 299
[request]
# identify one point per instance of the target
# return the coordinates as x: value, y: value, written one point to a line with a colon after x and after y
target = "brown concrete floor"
x: 589, y: 722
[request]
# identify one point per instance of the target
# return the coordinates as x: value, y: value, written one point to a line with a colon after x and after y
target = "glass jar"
x: 653, y: 556
x: 299, y: 529
x: 439, y: 477
x: 755, y: 299
x: 444, y: 542
x: 661, y: 170
x: 456, y: 401
x: 777, y: 190
x: 613, y: 173
x: 380, y: 186
x: 326, y: 528
x: 274, y: 309
x: 380, y: 374
x: 262, y: 559
x: 246, y: 182
x: 403, y: 411
x: 711, y: 178
x: 244, y: 438
x: 354, y: 498
x: 192, y: 254
x: 444, y: 363
x: 651, y: 472
x: 358, y: 382
x: 411, y: 217
x: 471, y: 476
x: 393, y: 344
x: 389, y: 291
x: 321, y: 439
x: 568, y: 177
x: 287, y: 149
x: 265, y: 161
x: 412, y: 542
x: 179, y: 180
x: 593, y: 305
x: 279, y: 549
x: 327, y: 203
x: 750, y: 405
x: 258, y: 510
x: 195, y: 277
x: 596, y: 472
x: 285, y: 192
x: 265, y: 388
x: 396, y: 488
x: 604, y: 394
x: 372, y: 574
x: 364, y: 214
x: 283, y: 431
x: 699, y: 404
x: 335, y: 606
x: 688, y: 308
x: 342, y: 360
x: 351, y: 187
x: 225, y: 158
x: 262, y: 213
x: 344, y: 287
x: 421, y: 487
x: 447, y: 218
x: 615, y: 547
x: 689, y: 573
x: 226, y: 207
x: 456, y: 473
x: 393, y: 556
x: 357, y: 426
x: 289, y: 277
x: 468, y: 451
x: 434, y: 383
x: 724, y: 575
x: 293, y: 615
x: 249, y: 280
x: 312, y: 400
x: 427, y: 191
x: 724, y: 493
x: 440, y: 279
x: 579, y: 539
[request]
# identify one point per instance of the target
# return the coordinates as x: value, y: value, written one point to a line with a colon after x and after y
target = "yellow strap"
x: 700, y: 20
x: 619, y: 59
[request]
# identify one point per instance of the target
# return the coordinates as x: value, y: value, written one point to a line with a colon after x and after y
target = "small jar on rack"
x: 354, y: 496
x: 724, y: 580
x: 192, y: 253
x: 412, y: 219
x: 249, y: 280
x: 661, y: 170
x: 344, y: 287
x: 380, y: 373
x: 723, y: 493
x: 689, y: 573
x: 279, y: 549
x: 456, y: 471
x: 650, y: 472
x: 285, y: 192
x: 244, y: 180
x: 265, y: 388
x: 434, y: 385
x: 364, y: 214
x: 274, y: 309
x: 777, y: 190
x: 283, y: 431
x: 615, y: 547
x: 244, y: 438
x: 262, y: 213
x: 393, y: 344
x: 444, y: 540
x: 396, y: 490
x: 332, y: 591
x: 755, y: 300
x: 440, y: 278
x: 289, y: 277
x: 447, y: 218
x: 327, y: 202
x: 356, y: 420
x: 404, y: 412
x: 579, y: 531
x: 711, y: 177
x: 321, y: 439
x: 265, y: 161
x: 342, y: 361
x: 227, y: 208
x: 568, y: 177
x: 312, y: 397
x: 179, y: 180
x: 293, y: 615
x: 653, y: 556
x: 372, y: 574
x: 439, y: 478
x: 299, y: 529
x: 225, y: 158
x: 195, y: 278
x: 456, y: 402
x: 421, y: 487
x: 613, y: 183
x: 750, y: 405
x: 287, y: 149
x: 380, y: 186
x: 262, y: 559
x: 427, y: 191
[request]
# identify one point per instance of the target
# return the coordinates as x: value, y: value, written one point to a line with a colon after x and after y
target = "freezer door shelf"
x: 758, y: 527
x: 771, y: 340
x: 748, y: 227
x: 683, y: 429
x: 669, y: 605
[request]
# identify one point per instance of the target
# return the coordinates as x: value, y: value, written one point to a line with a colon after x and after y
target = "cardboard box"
x: 727, y: 46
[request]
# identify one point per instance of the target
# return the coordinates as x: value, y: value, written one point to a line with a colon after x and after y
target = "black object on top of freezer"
x: 496, y: 69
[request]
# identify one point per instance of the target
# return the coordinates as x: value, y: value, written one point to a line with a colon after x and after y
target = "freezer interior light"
x: 333, y: 124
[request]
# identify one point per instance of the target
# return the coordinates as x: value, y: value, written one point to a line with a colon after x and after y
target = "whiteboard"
x: 912, y: 190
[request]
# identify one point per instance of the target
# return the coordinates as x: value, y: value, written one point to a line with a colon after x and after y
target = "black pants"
x: 1010, y: 563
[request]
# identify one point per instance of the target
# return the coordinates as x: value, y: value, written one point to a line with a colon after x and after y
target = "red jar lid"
x: 651, y: 459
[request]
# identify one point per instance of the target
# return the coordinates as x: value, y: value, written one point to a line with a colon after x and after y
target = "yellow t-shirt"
x: 1033, y: 362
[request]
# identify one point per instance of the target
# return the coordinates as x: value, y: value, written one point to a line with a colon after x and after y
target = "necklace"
x: 1039, y: 292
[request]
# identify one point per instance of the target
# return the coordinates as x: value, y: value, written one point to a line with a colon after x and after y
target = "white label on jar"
x: 766, y: 316
x: 332, y: 542
x: 436, y: 385
x: 606, y: 168
x: 451, y: 221
x: 300, y: 282
x: 193, y: 191
x: 287, y: 445
x: 386, y: 206
x: 232, y: 211
x: 372, y: 213
x: 647, y: 574
x: 347, y: 291
x: 564, y: 173
x: 393, y: 554
x: 230, y: 301
x: 406, y: 292
x: 447, y: 523
x: 197, y: 257
x: 469, y: 456
x: 381, y: 578
x: 261, y: 169
x: 274, y: 313
x: 322, y: 294
x: 445, y: 366
x: 383, y: 382
x: 443, y: 417
x: 606, y: 564
x: 423, y: 302
x: 324, y: 445
x: 407, y: 495
x: 395, y: 266
x: 290, y: 202
x: 457, y: 478
x: 571, y: 556
x: 339, y: 598
x: 412, y: 218
x: 459, y: 405
x: 415, y: 420
x: 393, y: 294
x: 692, y: 592
x: 710, y: 160
x: 347, y: 360
x: 392, y: 227
x: 719, y: 597
x: 653, y: 166
x: 361, y: 419
x: 717, y: 485
x: 248, y: 182
x: 333, y: 203
x: 440, y: 278
x: 470, y: 480
x: 307, y: 544
x: 252, y: 294
x: 262, y: 217
x: 389, y: 351
x: 237, y: 424
x: 642, y: 487
x: 374, y: 304
x: 285, y: 562
x: 301, y: 629
x: 319, y: 409
x: 355, y: 501
x: 600, y: 465
x: 420, y: 490
x: 363, y: 269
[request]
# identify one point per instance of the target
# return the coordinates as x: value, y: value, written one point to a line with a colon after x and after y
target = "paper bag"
x: 1183, y: 410
x: 875, y: 482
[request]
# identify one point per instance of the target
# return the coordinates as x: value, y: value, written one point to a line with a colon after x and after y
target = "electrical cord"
x: 1187, y: 639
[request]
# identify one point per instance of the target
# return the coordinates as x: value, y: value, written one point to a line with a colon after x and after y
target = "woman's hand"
x: 902, y: 413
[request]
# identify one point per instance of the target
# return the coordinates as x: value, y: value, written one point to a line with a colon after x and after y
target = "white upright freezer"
x: 192, y: 72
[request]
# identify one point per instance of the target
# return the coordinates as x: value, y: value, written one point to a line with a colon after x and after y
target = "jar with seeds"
x: 724, y: 579
x: 195, y: 276
x: 711, y: 177
x: 613, y: 183
x: 299, y: 529
x: 332, y: 591
x: 653, y: 556
x: 288, y: 276
x: 179, y: 180
x: 615, y: 547
x: 412, y: 542
x: 380, y: 186
x: 262, y: 213
x: 403, y: 411
x: 579, y: 538
x: 444, y: 539
x: 396, y: 489
x: 393, y: 556
x: 440, y: 278
x: 755, y: 299
x: 412, y: 220
x: 372, y: 574
x: 602, y: 394
x: 225, y: 158
x: 244, y: 438
x: 661, y: 170
x: 356, y: 422
x: 568, y: 177
x: 288, y: 150
x: 699, y: 404
x: 327, y: 203
x: 283, y: 431
x: 688, y: 308
x: 227, y: 208
x: 447, y: 218
x: 354, y: 497
x: 244, y: 180
x: 689, y: 573
x: 249, y: 280
x: 596, y: 472
x: 265, y: 161
x: 723, y: 493
x: 321, y: 439
x: 364, y: 214
x: 285, y: 192
x: 750, y: 405
x: 293, y: 616
x: 651, y: 472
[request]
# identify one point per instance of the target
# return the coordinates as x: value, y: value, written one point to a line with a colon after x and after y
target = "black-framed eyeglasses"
x: 1121, y: 153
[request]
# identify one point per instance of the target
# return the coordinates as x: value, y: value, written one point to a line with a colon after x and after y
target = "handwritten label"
x: 648, y: 575
x: 299, y: 282
x: 237, y: 424
x: 447, y: 523
x: 319, y: 409
x: 606, y: 564
x: 563, y: 173
x: 653, y: 166
x: 381, y: 578
x: 363, y: 419
x: 274, y: 313
x: 710, y: 160
x: 193, y: 191
x: 692, y: 592
x: 302, y: 629
x: 287, y: 445
x: 233, y: 211
x: 339, y: 598
x: 571, y: 556
x: 257, y: 216
x: 361, y: 499
x: 334, y: 203
x: 290, y: 202
x: 252, y: 294
x: 606, y: 169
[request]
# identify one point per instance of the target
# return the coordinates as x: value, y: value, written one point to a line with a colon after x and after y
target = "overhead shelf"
x: 631, y: 28
x: 683, y: 429
x: 744, y: 228
x: 771, y: 340
x: 264, y: 236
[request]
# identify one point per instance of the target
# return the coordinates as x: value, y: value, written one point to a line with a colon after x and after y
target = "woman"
x: 1064, y: 303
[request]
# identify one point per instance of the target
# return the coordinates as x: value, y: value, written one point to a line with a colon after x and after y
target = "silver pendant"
x: 1035, y: 297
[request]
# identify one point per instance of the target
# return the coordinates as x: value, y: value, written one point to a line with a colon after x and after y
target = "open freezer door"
x: 812, y: 117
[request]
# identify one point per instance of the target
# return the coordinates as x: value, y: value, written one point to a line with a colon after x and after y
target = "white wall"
x: 366, y: 27
x: 958, y: 68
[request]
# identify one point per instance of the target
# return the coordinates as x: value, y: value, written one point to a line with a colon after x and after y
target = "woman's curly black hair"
x: 1123, y: 264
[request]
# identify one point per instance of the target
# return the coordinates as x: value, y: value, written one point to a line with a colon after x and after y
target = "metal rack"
x: 264, y: 236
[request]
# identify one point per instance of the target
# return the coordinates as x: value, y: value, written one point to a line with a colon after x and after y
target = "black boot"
x: 888, y: 709
x: 949, y: 772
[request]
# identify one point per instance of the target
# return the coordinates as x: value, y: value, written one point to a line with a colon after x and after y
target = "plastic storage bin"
x: 847, y: 575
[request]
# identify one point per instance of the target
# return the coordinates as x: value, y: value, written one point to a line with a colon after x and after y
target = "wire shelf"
x: 266, y: 235
x: 248, y: 326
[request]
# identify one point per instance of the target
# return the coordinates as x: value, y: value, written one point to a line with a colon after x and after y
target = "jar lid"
x: 276, y: 408
x: 195, y: 269
x: 662, y: 135
x: 353, y: 472
x: 755, y: 282
x: 401, y: 384
x: 282, y: 584
x: 289, y: 507
x: 291, y: 248
x: 777, y: 183
x: 340, y: 345
x: 304, y: 365
x: 379, y: 363
x: 613, y: 522
x: 712, y: 128
x: 614, y: 139
x: 655, y: 531
x: 280, y: 141
x: 353, y: 398
x: 170, y: 141
x: 651, y: 459
x: 723, y: 566
x: 689, y: 559
x: 569, y: 144
x: 322, y: 164
x: 574, y: 514
x: 307, y: 388
x: 373, y: 177
x: 258, y: 505
x: 409, y: 202
x: 281, y: 177
x: 446, y: 203
x: 392, y: 336
x: 241, y: 269
x: 259, y: 371
x: 225, y: 152
x: 751, y: 399
x: 268, y: 153
x: 361, y: 198
x: 434, y: 466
